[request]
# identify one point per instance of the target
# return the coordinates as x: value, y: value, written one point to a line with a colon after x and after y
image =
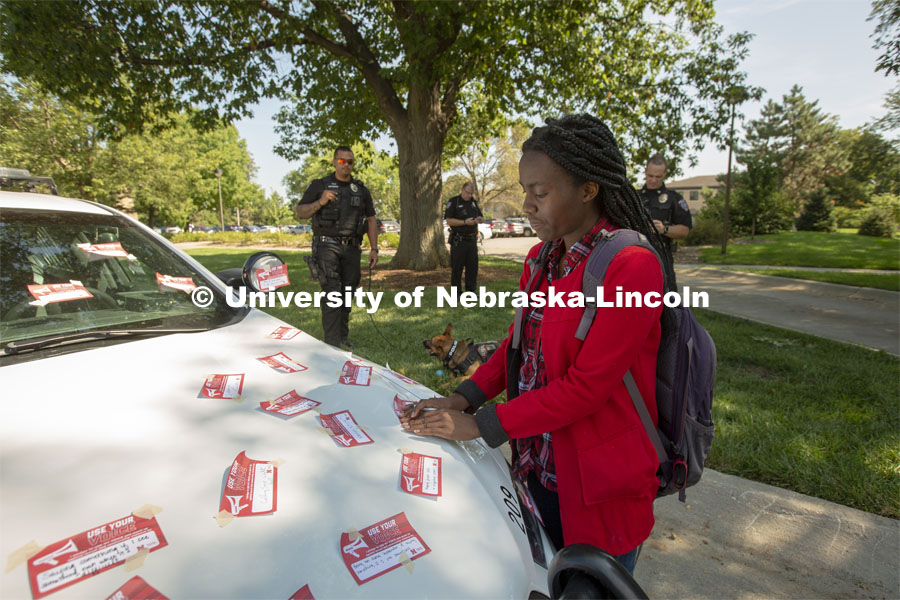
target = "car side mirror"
x: 256, y: 263
x: 585, y: 571
x: 248, y: 275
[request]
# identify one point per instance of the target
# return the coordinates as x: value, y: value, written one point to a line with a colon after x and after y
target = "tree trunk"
x: 420, y: 143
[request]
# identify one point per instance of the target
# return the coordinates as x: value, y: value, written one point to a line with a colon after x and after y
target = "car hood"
x: 89, y: 437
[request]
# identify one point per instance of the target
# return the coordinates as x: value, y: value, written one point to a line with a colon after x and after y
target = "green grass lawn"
x: 810, y: 249
x: 792, y: 410
x: 882, y: 281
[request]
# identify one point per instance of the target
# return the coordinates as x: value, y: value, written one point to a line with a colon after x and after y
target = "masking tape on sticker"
x: 406, y: 562
x: 238, y: 398
x: 136, y: 561
x: 353, y: 534
x: 269, y: 403
x: 324, y: 430
x: 147, y: 511
x: 224, y: 517
x: 277, y: 462
x: 404, y: 450
x: 21, y: 555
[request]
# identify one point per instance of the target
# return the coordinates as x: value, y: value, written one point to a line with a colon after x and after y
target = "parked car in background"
x: 484, y: 231
x: 268, y: 228
x: 233, y: 228
x: 172, y: 229
x: 301, y: 228
x: 521, y: 226
x: 252, y: 229
x: 388, y: 226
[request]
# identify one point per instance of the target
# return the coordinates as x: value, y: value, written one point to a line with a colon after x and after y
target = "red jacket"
x: 605, y: 463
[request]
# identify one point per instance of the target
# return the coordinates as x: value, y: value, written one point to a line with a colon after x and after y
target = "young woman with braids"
x: 577, y: 441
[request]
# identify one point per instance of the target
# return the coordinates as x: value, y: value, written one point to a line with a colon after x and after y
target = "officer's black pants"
x: 338, y: 270
x: 464, y: 253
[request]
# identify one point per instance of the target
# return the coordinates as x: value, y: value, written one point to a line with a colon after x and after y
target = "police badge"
x: 353, y: 188
x: 663, y: 198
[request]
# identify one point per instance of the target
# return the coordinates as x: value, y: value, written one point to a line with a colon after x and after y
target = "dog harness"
x: 483, y: 350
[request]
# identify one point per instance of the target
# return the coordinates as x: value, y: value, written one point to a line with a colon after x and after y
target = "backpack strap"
x: 608, y: 245
x: 644, y: 414
x: 537, y: 267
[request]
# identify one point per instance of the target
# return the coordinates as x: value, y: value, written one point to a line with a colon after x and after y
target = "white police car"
x: 151, y: 446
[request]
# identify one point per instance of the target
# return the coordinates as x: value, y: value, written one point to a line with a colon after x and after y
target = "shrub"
x: 878, y: 222
x: 849, y: 218
x: 818, y: 214
x: 707, y: 230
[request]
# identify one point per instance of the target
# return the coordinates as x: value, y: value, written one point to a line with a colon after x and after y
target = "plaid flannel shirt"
x: 535, y: 453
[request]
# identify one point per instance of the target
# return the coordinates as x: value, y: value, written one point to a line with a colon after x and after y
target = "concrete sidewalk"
x: 864, y: 316
x: 735, y: 538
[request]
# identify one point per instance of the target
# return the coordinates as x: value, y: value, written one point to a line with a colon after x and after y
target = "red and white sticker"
x: 282, y: 363
x: 49, y: 293
x: 137, y: 589
x: 104, y: 251
x: 251, y: 487
x: 381, y: 547
x: 284, y: 333
x: 401, y: 404
x: 270, y: 279
x: 289, y: 405
x: 421, y: 474
x: 90, y: 552
x: 402, y: 378
x: 344, y: 429
x: 354, y: 374
x: 168, y: 282
x: 303, y: 593
x: 222, y: 386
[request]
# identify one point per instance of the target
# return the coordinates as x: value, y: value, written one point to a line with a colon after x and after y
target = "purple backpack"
x: 685, y: 377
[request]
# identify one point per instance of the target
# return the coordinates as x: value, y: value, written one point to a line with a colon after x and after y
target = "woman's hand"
x: 454, y: 401
x: 444, y: 423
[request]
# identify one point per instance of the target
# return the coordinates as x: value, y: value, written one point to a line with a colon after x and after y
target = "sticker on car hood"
x: 81, y: 556
x: 354, y: 374
x: 251, y: 488
x: 137, y: 589
x: 382, y: 547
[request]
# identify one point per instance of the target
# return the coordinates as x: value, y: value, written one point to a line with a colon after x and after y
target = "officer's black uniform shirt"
x: 457, y: 208
x: 667, y: 206
x: 315, y: 189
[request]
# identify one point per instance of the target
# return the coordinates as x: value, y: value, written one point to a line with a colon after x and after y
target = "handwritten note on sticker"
x: 354, y: 374
x: 400, y: 406
x: 168, y: 283
x: 289, y: 405
x: 344, y: 429
x: 76, y: 558
x: 378, y: 548
x: 284, y: 333
x: 251, y: 487
x: 227, y: 386
x: 421, y: 474
x: 282, y: 363
x: 103, y: 251
x: 58, y: 292
x: 270, y: 279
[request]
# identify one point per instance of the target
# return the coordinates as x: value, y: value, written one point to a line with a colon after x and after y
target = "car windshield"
x: 70, y: 272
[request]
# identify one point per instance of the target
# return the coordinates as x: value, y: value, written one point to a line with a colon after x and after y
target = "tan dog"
x: 461, y: 357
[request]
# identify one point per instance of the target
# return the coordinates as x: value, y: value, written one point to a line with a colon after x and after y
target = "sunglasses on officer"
x: 344, y: 161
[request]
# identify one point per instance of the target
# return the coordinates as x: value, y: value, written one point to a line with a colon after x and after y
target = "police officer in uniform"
x: 342, y: 210
x: 463, y: 216
x: 669, y: 211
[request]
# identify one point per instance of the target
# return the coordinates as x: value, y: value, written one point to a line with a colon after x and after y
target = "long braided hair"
x: 585, y: 147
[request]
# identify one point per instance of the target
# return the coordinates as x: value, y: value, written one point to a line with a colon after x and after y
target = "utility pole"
x: 218, y: 173
x: 728, y: 183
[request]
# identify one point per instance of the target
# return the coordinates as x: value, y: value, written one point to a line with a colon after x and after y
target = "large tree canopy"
x: 656, y: 70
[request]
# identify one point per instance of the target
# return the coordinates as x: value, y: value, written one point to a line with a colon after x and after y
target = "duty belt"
x: 344, y: 241
x: 465, y: 237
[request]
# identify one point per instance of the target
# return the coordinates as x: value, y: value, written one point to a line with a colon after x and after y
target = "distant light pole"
x: 218, y: 174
